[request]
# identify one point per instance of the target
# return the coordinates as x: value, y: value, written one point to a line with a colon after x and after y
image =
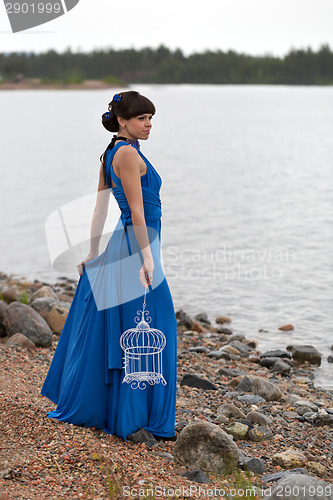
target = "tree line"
x: 162, y: 65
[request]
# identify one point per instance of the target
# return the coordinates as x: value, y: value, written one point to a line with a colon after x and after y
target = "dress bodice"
x: 150, y: 182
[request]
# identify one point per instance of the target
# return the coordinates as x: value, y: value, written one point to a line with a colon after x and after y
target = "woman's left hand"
x: 80, y: 267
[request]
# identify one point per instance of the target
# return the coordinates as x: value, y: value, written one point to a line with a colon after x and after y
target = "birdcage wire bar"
x: 143, y: 347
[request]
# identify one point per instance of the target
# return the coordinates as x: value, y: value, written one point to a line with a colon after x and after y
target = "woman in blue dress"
x: 115, y: 364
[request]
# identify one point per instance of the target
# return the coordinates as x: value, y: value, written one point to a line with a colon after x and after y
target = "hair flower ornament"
x: 117, y: 98
x: 107, y: 115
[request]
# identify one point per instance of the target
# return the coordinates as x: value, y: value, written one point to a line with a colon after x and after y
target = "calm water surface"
x: 247, y: 198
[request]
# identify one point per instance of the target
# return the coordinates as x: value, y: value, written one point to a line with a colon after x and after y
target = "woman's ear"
x: 122, y: 122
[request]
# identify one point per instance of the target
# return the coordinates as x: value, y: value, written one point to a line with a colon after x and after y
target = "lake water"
x: 247, y: 198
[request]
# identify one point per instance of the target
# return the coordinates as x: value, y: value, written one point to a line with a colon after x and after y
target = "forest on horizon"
x: 164, y: 66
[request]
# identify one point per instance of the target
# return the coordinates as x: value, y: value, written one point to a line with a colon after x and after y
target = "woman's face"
x: 138, y: 127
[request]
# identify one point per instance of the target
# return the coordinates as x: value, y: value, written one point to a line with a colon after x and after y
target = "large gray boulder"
x: 205, y: 446
x: 300, y: 487
x: 22, y: 318
x: 3, y: 310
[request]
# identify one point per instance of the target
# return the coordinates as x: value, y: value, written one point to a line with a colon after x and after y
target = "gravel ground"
x: 42, y: 458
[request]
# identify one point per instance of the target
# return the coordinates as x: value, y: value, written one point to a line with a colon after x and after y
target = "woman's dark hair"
x: 130, y: 104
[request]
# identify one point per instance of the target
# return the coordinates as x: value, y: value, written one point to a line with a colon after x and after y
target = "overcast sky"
x: 249, y: 26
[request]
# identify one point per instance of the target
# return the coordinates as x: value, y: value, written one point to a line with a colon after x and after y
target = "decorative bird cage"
x: 143, y: 347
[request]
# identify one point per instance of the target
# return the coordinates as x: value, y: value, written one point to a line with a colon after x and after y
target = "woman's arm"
x: 128, y: 162
x: 98, y: 220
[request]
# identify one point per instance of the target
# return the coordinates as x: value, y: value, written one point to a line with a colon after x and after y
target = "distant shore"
x: 37, y: 84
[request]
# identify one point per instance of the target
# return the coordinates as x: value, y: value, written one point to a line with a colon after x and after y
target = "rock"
x: 223, y: 330
x: 281, y: 367
x: 253, y: 343
x: 289, y: 459
x: 22, y: 318
x: 230, y: 410
x: 3, y: 309
x: 197, y: 327
x: 223, y: 319
x: 245, y: 384
x: 269, y: 361
x: 44, y: 291
x: 306, y: 353
x: 222, y: 419
x: 286, y: 328
x: 234, y: 357
x: 323, y: 418
x: 230, y: 372
x: 300, y: 487
x: 276, y: 353
x: 229, y: 349
x: 316, y: 468
x: 256, y: 417
x: 260, y: 387
x: 305, y: 404
x: 237, y: 430
x: 243, y: 349
x: 9, y: 294
x: 249, y: 398
x: 54, y: 312
x: 260, y: 433
x: 205, y: 446
x: 200, y: 383
x: 330, y: 359
x: 196, y: 475
x: 199, y: 348
x: 236, y: 336
x: 254, y: 465
x: 282, y: 473
x: 21, y: 340
x: 218, y: 355
x: 184, y: 319
x: 142, y: 436
x: 203, y: 318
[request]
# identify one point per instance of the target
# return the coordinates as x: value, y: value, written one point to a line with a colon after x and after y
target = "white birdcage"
x: 143, y: 352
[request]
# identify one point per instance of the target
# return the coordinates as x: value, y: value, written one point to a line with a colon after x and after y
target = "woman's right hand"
x: 146, y: 272
x: 80, y: 267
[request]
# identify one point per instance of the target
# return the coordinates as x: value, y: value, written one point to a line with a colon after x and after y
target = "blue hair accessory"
x: 107, y: 115
x: 117, y: 98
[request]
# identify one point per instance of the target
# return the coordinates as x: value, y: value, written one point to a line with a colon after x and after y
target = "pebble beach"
x: 233, y: 400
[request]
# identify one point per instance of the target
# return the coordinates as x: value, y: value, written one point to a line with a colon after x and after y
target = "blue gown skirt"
x: 85, y: 378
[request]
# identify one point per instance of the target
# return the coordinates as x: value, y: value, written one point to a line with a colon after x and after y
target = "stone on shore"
x: 54, y: 312
x: 205, y: 446
x: 289, y: 459
x: 21, y: 340
x: 200, y: 383
x: 44, y: 291
x: 260, y: 433
x: 22, y: 318
x: 260, y: 387
x: 223, y: 319
x: 306, y: 353
x: 300, y: 487
x: 9, y: 294
x: 3, y: 309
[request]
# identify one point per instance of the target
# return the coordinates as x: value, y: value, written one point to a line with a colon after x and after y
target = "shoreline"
x: 283, y: 424
x: 35, y: 84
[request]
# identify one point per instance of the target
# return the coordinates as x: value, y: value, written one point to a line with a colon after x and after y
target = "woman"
x: 108, y: 372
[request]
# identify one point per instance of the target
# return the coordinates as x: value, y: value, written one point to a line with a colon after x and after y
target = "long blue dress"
x: 86, y: 376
